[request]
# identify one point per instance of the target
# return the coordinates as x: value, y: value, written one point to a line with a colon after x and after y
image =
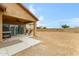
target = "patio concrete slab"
x: 13, y: 49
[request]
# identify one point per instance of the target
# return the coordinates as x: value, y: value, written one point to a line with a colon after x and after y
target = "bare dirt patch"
x: 54, y: 44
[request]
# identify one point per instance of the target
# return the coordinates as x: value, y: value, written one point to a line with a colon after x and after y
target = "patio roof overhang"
x: 14, y: 20
x: 2, y: 8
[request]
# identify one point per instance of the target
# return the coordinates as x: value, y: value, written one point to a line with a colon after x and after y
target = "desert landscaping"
x: 54, y: 43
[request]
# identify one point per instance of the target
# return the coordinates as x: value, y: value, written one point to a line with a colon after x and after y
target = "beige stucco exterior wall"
x: 15, y: 10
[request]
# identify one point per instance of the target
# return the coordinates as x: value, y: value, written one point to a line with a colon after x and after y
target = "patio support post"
x: 25, y: 29
x: 1, y: 30
x: 34, y: 29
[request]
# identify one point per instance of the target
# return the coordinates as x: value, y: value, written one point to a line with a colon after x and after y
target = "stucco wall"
x: 15, y: 10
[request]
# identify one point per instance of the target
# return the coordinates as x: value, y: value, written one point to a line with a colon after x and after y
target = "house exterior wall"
x: 13, y: 9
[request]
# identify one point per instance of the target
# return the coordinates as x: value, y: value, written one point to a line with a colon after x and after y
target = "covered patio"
x: 16, y: 14
x: 7, y: 16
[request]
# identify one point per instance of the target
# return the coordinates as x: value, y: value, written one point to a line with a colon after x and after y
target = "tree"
x: 65, y: 26
x: 41, y: 27
x: 44, y: 28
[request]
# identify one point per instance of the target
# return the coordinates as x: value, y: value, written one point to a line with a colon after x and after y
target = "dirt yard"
x: 54, y: 44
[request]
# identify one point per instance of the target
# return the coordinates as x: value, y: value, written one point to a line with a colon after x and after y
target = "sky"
x: 53, y: 15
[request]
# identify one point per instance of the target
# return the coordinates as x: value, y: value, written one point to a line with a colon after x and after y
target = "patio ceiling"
x: 2, y: 8
x: 14, y: 20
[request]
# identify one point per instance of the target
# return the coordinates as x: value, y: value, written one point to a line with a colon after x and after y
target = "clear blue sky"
x: 54, y: 15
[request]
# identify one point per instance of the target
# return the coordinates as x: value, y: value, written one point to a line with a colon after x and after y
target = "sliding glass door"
x: 16, y: 29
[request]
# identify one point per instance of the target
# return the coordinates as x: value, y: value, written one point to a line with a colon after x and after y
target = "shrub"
x: 65, y: 26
